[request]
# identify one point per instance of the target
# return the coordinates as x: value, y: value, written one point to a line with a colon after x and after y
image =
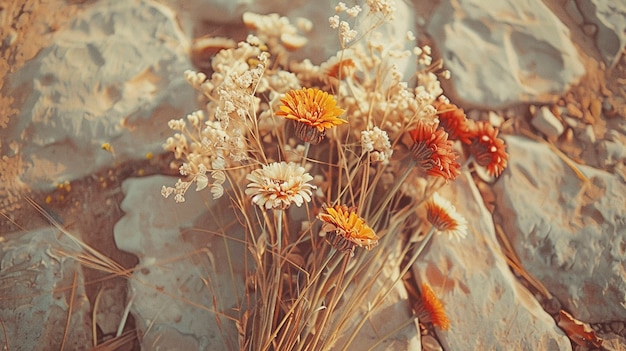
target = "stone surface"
x: 569, y: 234
x: 611, y: 152
x: 114, y: 75
x: 609, y: 18
x: 481, y: 296
x: 183, y: 271
x: 323, y: 42
x: 36, y: 280
x: 547, y: 123
x: 507, y: 52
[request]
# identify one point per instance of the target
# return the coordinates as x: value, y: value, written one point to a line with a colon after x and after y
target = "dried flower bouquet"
x: 353, y: 146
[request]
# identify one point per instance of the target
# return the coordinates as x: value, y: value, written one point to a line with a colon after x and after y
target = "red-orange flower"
x: 432, y: 151
x: 345, y: 229
x: 313, y: 111
x: 444, y: 217
x: 453, y: 120
x: 488, y: 150
x: 341, y: 69
x: 430, y: 309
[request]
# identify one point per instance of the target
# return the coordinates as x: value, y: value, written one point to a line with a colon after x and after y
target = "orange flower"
x: 345, y: 229
x: 488, y: 150
x: 433, y: 151
x: 453, y: 120
x: 430, y: 309
x: 444, y: 217
x: 340, y: 69
x: 313, y: 112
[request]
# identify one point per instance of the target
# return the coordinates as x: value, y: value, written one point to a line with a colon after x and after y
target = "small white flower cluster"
x: 277, y: 32
x: 200, y: 178
x: 346, y: 34
x: 243, y: 93
x: 376, y: 142
x: 209, y: 145
x: 386, y: 7
x: 351, y: 11
x: 423, y: 54
x: 429, y: 84
x: 197, y: 155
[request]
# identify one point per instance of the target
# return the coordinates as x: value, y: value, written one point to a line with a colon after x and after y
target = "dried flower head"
x: 453, y: 120
x: 488, y: 150
x: 433, y: 152
x: 430, y: 309
x: 376, y: 142
x: 338, y: 67
x: 444, y: 217
x: 345, y: 229
x: 278, y: 185
x: 314, y: 111
x: 386, y: 7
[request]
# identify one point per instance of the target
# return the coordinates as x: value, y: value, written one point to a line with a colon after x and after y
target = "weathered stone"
x: 477, y: 288
x: 547, y: 123
x: 38, y: 279
x: 568, y: 233
x: 322, y: 43
x: 610, y: 18
x: 574, y: 111
x: 114, y: 75
x: 611, y: 152
x: 172, y: 299
x: 504, y: 53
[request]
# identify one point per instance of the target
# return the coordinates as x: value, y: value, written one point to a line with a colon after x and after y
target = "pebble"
x: 429, y: 343
x: 574, y: 111
x: 617, y: 327
x: 595, y: 108
x: 473, y: 114
x: 613, y: 152
x: 589, y: 134
x: 571, y: 122
x: 547, y: 123
x: 495, y: 119
x: 590, y: 29
x: 569, y: 135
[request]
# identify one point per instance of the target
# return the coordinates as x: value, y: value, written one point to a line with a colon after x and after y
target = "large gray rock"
x: 36, y: 283
x: 610, y: 19
x: 568, y: 234
x: 198, y: 15
x: 504, y: 52
x: 483, y: 300
x: 184, y: 273
x: 114, y: 75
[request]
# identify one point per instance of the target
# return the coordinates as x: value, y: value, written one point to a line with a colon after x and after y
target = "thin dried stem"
x: 70, y: 308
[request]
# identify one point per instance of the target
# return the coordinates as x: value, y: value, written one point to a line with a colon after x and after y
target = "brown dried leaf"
x: 581, y: 333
